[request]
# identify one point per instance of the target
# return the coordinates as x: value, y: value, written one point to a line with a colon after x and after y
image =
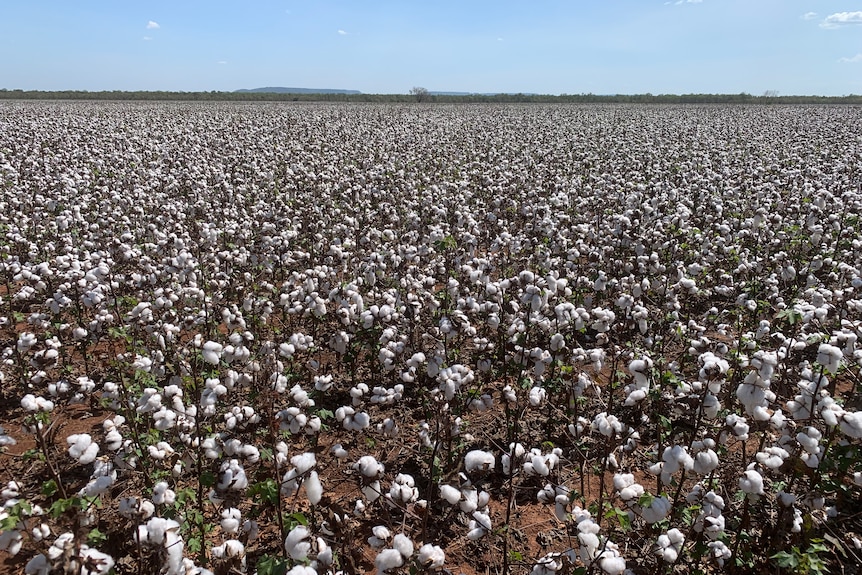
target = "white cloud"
x: 842, y: 19
x: 678, y: 2
x: 853, y: 59
x: 342, y: 33
x: 153, y: 25
x: 147, y: 38
x: 222, y: 62
x: 809, y: 16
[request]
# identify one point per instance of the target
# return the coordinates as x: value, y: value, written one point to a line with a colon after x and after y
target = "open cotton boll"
x: 83, y: 448
x: 163, y: 494
x: 829, y: 357
x: 313, y: 488
x: 380, y: 536
x: 670, y: 544
x: 613, y: 565
x: 431, y: 557
x: 212, y: 352
x: 657, y: 510
x: 403, y: 545
x: 450, y: 494
x: 368, y: 467
x: 479, y: 526
x: 478, y: 460
x: 388, y: 559
x: 751, y: 483
x: 297, y: 544
x: 230, y: 520
x: 851, y: 424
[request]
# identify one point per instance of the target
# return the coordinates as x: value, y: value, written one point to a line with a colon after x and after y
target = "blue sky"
x: 544, y: 46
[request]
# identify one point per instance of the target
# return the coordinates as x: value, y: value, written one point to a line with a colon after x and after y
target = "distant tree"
x: 770, y: 95
x: 421, y: 94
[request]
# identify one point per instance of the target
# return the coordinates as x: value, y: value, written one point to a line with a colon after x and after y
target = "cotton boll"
x: 212, y: 352
x: 313, y: 488
x: 751, y: 483
x: 163, y: 494
x: 83, y: 448
x: 230, y: 520
x: 478, y: 460
x: 431, y: 557
x: 613, y: 565
x: 829, y: 357
x: 297, y: 543
x: 450, y: 494
x: 11, y: 541
x: 368, y: 467
x: 657, y: 510
x: 403, y: 545
x: 851, y: 424
x: 388, y: 559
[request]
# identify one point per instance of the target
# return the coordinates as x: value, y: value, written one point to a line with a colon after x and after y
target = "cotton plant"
x: 303, y: 474
x: 163, y: 536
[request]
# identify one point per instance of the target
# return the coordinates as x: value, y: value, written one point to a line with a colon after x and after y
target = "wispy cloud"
x: 842, y: 19
x: 153, y: 25
x: 678, y: 2
x: 147, y: 38
x: 852, y: 60
x: 342, y: 33
x: 809, y: 16
x: 222, y: 62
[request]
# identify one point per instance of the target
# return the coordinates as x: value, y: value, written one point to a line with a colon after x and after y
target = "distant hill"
x: 279, y: 90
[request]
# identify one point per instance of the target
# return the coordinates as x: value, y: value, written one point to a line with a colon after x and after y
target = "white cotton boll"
x: 403, y: 545
x: 38, y: 565
x: 388, y: 559
x: 509, y: 394
x: 369, y: 467
x: 751, y: 483
x: 313, y: 488
x: 705, y: 462
x: 302, y: 570
x: 339, y: 451
x: 83, y: 448
x: 450, y: 494
x: 303, y: 462
x: 657, y: 510
x: 212, y: 352
x: 613, y: 565
x: 829, y: 357
x: 230, y: 520
x: 228, y: 550
x: 772, y: 457
x: 380, y: 536
x: 851, y: 424
x: 478, y: 460
x: 163, y: 494
x: 11, y: 541
x: 537, y: 396
x: 297, y: 543
x: 431, y: 557
x: 372, y: 491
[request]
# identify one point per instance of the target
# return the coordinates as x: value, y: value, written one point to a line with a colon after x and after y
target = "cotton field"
x: 313, y: 339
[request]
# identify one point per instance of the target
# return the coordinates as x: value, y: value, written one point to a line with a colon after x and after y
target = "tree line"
x: 429, y: 97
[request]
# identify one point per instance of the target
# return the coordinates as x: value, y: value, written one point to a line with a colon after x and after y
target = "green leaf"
x: 49, y: 488
x: 785, y: 560
x: 193, y: 544
x: 645, y: 500
x: 96, y: 537
x: 270, y: 565
x: 208, y: 479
